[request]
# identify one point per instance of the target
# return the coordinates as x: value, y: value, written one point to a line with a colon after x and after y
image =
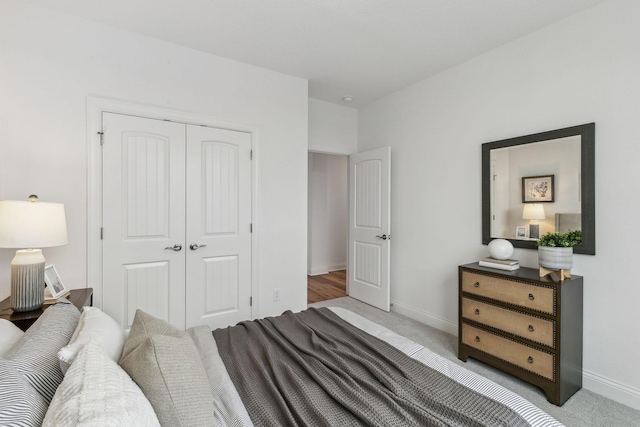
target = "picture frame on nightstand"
x: 55, y: 287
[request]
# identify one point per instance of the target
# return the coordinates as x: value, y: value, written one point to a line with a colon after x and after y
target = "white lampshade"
x: 32, y: 224
x: 533, y: 211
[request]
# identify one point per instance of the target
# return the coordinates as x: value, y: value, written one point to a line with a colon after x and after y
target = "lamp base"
x: 534, y: 231
x: 27, y: 280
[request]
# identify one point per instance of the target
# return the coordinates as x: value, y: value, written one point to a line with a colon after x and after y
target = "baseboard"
x: 316, y: 271
x: 612, y: 389
x: 424, y: 317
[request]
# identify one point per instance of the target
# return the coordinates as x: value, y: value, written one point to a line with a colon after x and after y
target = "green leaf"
x: 558, y: 240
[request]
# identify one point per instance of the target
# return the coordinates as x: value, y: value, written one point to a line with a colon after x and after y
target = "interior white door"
x: 143, y: 218
x: 370, y: 227
x: 218, y: 248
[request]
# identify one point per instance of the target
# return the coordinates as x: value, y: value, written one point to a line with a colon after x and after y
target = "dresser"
x: 523, y: 324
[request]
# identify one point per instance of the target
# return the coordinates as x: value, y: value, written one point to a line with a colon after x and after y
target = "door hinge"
x: 250, y: 228
x: 251, y: 155
x: 101, y: 233
x: 250, y: 301
x: 101, y: 138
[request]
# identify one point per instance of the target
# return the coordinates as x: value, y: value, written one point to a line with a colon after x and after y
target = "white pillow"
x: 94, y: 325
x: 97, y: 392
x: 9, y: 335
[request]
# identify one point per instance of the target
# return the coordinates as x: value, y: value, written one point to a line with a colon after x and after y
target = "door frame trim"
x: 342, y: 153
x: 96, y: 105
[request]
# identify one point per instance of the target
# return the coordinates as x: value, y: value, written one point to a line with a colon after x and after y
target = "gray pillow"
x: 35, y: 355
x: 166, y: 365
x: 20, y: 403
x: 30, y: 371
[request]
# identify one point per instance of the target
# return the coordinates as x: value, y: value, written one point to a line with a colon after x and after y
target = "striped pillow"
x: 20, y: 403
x: 35, y: 355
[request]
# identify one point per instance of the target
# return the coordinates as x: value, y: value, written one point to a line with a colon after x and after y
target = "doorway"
x: 328, y: 286
x: 327, y: 233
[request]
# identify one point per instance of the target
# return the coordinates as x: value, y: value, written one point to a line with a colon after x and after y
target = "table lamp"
x: 30, y: 224
x: 533, y: 212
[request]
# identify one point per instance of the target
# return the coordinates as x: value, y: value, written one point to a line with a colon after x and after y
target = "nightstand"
x: 79, y: 298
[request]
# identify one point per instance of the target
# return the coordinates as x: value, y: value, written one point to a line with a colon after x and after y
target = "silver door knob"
x: 195, y: 246
x: 176, y: 248
x: 384, y: 237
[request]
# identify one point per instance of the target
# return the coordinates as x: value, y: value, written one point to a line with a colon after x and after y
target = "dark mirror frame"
x: 587, y: 133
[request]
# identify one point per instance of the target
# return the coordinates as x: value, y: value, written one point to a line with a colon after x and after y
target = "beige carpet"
x: 584, y: 408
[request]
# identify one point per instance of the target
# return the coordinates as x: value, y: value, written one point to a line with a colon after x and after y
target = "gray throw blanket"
x: 315, y: 369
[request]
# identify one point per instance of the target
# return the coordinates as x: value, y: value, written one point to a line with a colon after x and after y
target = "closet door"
x: 143, y: 218
x: 218, y: 246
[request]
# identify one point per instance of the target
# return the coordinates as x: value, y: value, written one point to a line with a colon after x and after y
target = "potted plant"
x: 555, y: 250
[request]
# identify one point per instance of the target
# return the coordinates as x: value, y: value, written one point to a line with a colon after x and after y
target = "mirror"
x: 540, y: 183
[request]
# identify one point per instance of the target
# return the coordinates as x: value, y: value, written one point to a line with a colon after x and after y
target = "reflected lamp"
x: 533, y: 212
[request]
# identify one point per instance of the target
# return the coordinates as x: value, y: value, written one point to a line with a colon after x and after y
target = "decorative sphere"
x: 500, y: 249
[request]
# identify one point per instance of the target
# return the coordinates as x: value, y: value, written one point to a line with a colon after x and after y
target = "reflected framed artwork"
x: 538, y: 189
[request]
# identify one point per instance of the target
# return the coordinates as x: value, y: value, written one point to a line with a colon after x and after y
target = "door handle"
x: 195, y: 246
x: 384, y: 237
x: 176, y: 248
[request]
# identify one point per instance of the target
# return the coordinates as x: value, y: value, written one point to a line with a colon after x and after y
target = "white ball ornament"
x: 500, y: 249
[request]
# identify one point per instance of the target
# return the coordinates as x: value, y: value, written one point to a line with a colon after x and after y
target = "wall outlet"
x: 276, y: 294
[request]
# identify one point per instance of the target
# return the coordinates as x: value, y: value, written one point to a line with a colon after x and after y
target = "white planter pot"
x: 555, y: 258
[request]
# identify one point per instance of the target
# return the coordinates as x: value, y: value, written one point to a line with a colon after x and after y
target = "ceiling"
x: 363, y: 48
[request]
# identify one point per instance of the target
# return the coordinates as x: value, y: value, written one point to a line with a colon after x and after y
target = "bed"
x: 324, y: 366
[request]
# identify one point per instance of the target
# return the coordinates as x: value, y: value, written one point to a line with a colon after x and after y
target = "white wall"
x: 582, y: 69
x: 327, y: 213
x: 52, y: 62
x: 332, y: 128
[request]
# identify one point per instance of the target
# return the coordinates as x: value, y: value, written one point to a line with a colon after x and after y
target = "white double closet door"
x: 176, y: 222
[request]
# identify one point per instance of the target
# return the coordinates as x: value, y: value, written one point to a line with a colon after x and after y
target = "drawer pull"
x: 531, y: 328
x: 477, y: 338
x: 531, y: 297
x: 477, y: 284
x: 477, y: 311
x: 530, y: 359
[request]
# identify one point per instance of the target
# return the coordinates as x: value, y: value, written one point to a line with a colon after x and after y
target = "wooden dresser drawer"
x: 528, y: 358
x: 512, y: 292
x: 529, y: 327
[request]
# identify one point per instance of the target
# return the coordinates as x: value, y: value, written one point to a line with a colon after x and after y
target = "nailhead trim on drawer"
x: 533, y: 297
x: 510, y: 351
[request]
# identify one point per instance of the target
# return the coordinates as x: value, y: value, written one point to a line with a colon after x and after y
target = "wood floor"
x: 327, y: 286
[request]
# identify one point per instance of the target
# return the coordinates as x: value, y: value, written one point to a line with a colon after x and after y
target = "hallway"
x: 327, y: 286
